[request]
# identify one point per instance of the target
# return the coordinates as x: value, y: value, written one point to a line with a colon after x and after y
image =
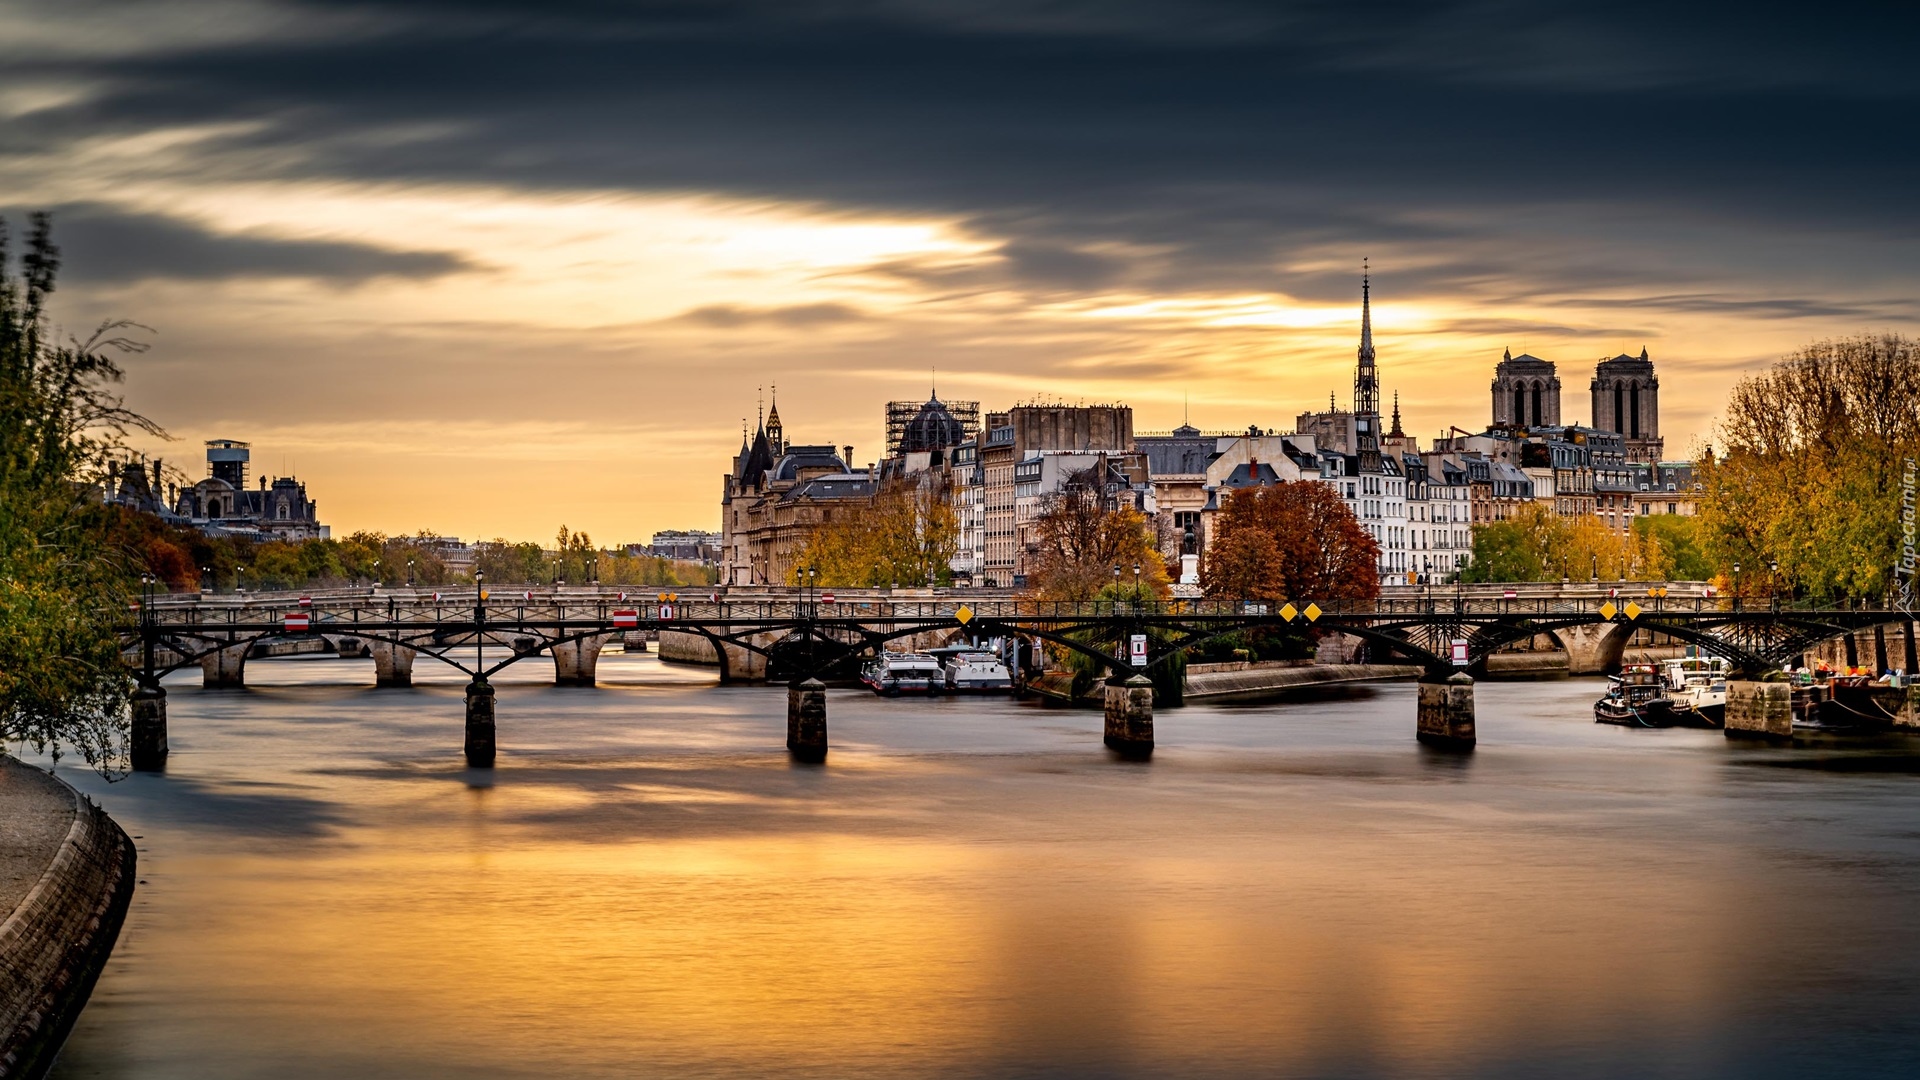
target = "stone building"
x: 278, y: 509
x: 1526, y: 392
x: 1010, y: 437
x: 774, y: 496
x: 1626, y: 400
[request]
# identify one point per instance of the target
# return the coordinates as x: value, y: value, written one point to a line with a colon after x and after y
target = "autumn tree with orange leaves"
x: 1293, y: 541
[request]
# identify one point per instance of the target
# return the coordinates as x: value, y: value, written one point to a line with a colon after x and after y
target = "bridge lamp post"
x: 1736, y: 586
x: 1136, y: 583
x: 480, y: 618
x: 240, y: 580
x: 1773, y: 572
x: 409, y: 573
x: 206, y: 578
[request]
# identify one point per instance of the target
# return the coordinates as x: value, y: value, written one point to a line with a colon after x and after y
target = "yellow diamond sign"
x: 1312, y: 612
x: 1632, y: 610
x: 965, y: 614
x: 1608, y: 611
x: 1289, y: 612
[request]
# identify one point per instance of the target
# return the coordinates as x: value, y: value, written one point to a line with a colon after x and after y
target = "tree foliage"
x: 1293, y: 541
x: 1081, y: 534
x: 1534, y: 544
x: 63, y: 583
x: 905, y: 534
x: 1809, y: 472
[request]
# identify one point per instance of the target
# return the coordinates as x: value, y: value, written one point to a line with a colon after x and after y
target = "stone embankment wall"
x: 66, y: 879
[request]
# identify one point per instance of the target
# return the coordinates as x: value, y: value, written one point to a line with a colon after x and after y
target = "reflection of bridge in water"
x: 1450, y: 634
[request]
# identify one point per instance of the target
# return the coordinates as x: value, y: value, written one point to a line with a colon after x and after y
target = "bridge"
x: 1449, y: 633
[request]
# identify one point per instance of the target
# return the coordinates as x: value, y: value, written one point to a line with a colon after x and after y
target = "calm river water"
x: 646, y: 887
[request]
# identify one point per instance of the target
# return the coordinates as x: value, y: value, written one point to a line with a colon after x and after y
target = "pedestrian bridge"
x: 1449, y: 633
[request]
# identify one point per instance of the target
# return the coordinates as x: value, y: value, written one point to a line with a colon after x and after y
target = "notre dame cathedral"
x: 1626, y: 399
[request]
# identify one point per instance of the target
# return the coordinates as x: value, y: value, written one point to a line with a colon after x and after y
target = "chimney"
x: 849, y: 456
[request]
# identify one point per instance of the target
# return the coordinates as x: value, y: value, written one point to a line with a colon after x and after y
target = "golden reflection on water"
x: 650, y: 890
x: 829, y: 951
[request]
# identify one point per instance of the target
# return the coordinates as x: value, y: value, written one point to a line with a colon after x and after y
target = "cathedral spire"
x: 1396, y: 433
x: 1366, y: 380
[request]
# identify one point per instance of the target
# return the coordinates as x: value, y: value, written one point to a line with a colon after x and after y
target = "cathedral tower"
x: 1526, y: 392
x: 1626, y: 400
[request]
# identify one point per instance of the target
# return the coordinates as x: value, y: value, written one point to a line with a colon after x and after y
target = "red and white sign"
x: 1510, y: 594
x: 436, y: 598
x: 306, y: 601
x: 528, y: 594
x: 826, y: 598
x: 626, y: 620
x: 1460, y: 653
x: 622, y: 596
x: 666, y: 611
x: 1137, y: 650
x: 299, y: 620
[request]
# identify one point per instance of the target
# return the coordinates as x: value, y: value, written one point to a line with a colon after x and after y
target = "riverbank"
x: 66, y: 879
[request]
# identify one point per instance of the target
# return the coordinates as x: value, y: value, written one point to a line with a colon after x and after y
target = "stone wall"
x: 58, y: 936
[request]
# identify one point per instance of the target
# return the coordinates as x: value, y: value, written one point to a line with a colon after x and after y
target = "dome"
x: 932, y: 428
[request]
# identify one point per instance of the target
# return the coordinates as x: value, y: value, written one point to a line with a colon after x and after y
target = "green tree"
x: 64, y: 585
x: 1811, y: 462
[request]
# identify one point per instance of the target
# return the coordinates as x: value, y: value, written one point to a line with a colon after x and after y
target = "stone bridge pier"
x: 148, y: 741
x: 1445, y: 719
x: 392, y: 663
x: 479, y: 741
x: 1595, y: 648
x: 575, y: 662
x: 225, y: 667
x: 1759, y: 709
x: 1129, y: 708
x: 807, y: 721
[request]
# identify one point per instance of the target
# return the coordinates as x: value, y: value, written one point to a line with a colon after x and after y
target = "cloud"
x: 733, y: 317
x: 103, y: 245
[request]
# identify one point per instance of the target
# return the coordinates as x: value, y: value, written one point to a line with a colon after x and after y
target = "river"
x: 975, y: 888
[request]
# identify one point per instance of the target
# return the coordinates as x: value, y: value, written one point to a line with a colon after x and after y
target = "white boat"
x: 1699, y: 685
x: 975, y: 671
x: 893, y: 673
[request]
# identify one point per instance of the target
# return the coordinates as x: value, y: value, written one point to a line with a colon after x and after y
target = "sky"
x: 487, y: 268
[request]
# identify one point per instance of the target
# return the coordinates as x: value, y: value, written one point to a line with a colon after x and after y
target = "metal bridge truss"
x: 810, y: 635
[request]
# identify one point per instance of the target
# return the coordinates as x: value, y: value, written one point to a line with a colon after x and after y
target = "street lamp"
x: 409, y: 573
x: 240, y: 580
x: 1736, y: 586
x: 1596, y: 569
x: 480, y: 621
x: 1773, y: 571
x: 206, y: 579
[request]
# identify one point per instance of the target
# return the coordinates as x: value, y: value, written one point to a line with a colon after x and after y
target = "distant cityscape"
x: 1420, y: 505
x: 999, y: 468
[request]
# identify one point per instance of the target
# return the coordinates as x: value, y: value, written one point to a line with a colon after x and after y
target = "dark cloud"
x: 730, y: 316
x: 102, y: 245
x: 1219, y: 143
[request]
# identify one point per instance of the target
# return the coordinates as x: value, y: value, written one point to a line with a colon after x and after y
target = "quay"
x: 66, y: 880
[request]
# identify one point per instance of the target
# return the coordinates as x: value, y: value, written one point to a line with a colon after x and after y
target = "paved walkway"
x: 36, y: 812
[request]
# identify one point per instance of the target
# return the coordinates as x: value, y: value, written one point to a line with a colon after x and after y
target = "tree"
x: 1669, y: 547
x: 1081, y: 533
x: 1810, y: 470
x: 1292, y: 541
x: 64, y: 585
x: 905, y: 534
